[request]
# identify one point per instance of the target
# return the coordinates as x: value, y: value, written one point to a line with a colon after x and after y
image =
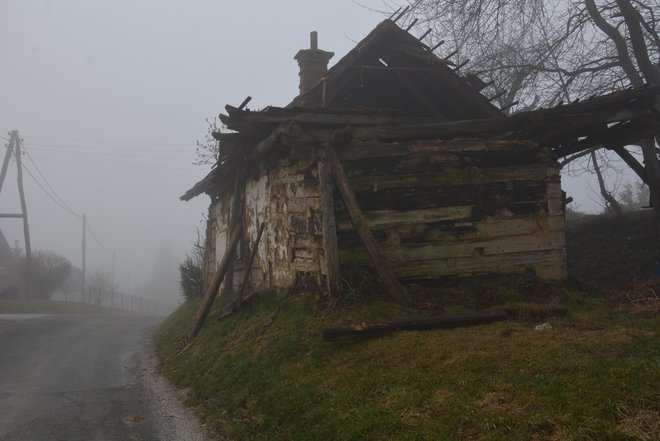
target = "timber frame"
x: 395, y: 162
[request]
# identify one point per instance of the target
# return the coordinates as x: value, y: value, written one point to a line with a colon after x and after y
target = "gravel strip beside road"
x: 173, y: 421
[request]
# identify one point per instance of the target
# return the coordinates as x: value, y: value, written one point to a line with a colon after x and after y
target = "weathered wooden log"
x: 240, y: 300
x: 359, y: 220
x: 329, y: 226
x: 234, y: 219
x: 440, y: 322
x: 212, y: 292
x: 253, y: 254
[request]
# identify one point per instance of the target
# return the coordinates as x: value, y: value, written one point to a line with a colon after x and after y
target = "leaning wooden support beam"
x: 234, y: 220
x: 329, y: 225
x: 240, y: 300
x: 212, y: 292
x: 440, y: 322
x: 361, y: 225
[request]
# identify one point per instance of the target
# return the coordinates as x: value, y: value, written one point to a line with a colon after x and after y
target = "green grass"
x: 607, y: 252
x: 264, y: 373
x: 52, y: 307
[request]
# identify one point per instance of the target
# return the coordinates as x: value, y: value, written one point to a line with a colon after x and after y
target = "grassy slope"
x: 51, y: 307
x: 606, y: 252
x: 266, y: 374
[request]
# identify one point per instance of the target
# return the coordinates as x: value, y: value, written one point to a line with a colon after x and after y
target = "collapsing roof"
x: 614, y: 120
x: 392, y: 69
x: 391, y: 87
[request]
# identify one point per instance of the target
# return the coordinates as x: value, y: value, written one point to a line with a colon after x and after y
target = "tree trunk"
x: 653, y: 177
x: 609, y: 199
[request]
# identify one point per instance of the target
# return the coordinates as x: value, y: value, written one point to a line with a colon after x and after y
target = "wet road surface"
x: 74, y: 378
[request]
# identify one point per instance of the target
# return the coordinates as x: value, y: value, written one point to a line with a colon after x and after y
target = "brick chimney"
x: 313, y: 63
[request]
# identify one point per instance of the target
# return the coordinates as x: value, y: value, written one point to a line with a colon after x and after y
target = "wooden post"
x: 212, y: 292
x: 329, y: 230
x: 392, y: 286
x: 253, y: 254
x: 83, y: 279
x: 26, y: 226
x: 234, y: 219
x: 5, y: 163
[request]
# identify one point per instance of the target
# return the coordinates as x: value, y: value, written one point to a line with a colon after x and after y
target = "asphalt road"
x: 81, y: 378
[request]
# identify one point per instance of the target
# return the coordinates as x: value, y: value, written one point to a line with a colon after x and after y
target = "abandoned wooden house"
x: 393, y: 149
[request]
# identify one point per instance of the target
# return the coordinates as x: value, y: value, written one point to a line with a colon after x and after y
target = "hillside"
x: 606, y: 252
x: 264, y: 373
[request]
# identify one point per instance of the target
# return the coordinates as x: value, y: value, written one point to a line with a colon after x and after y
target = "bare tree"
x: 547, y: 52
x: 208, y: 150
x: 611, y: 203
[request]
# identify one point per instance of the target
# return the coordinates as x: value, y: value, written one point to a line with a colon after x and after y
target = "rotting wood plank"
x: 391, y: 284
x: 407, y: 231
x: 240, y: 300
x: 209, y: 297
x: 547, y: 264
x: 377, y: 180
x: 450, y: 148
x: 426, y: 251
x: 329, y: 227
x: 370, y: 329
x: 234, y: 219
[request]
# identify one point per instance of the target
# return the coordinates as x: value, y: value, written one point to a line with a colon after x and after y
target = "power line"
x: 48, y: 183
x: 68, y: 210
x: 96, y: 239
x: 105, y: 141
x: 117, y: 165
x: 56, y: 147
x: 83, y: 152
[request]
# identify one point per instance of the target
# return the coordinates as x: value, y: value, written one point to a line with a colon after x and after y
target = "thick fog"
x: 110, y: 98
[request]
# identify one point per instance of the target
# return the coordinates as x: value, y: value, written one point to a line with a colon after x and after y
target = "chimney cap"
x: 313, y: 40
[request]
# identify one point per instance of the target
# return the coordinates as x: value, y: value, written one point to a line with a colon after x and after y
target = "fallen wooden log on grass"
x: 440, y: 322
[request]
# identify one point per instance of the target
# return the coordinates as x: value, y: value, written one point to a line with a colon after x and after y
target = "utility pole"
x: 112, y: 284
x: 15, y: 143
x: 5, y: 163
x: 26, y: 227
x: 84, y: 258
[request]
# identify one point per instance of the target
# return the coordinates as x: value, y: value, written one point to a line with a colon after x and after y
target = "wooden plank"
x: 382, y: 219
x: 518, y: 197
x: 548, y: 264
x: 212, y: 292
x: 391, y: 284
x: 377, y: 180
x: 234, y: 219
x: 412, y: 230
x: 368, y: 329
x: 329, y: 227
x: 240, y: 300
x: 427, y: 250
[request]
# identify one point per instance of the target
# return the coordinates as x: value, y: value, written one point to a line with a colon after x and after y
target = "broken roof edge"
x: 381, y: 31
x: 624, y: 106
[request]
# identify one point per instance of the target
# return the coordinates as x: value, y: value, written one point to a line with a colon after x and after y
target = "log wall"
x: 437, y: 208
x: 456, y: 208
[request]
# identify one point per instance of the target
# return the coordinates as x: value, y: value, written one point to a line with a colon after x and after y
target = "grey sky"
x: 110, y: 97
